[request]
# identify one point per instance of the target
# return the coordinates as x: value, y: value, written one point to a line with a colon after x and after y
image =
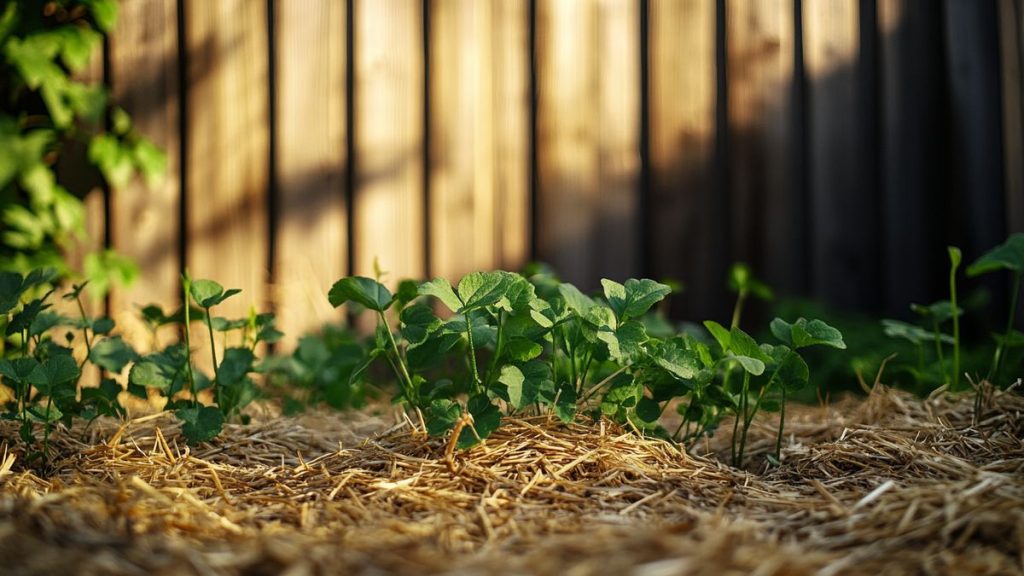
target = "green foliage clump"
x: 47, y: 113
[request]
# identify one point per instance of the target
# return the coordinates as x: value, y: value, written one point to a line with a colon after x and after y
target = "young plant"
x: 1007, y: 256
x: 955, y: 257
x: 744, y: 284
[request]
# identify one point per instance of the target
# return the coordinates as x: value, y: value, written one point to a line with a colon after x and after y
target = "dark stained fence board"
x: 388, y: 197
x: 911, y: 156
x: 687, y: 243
x: 843, y: 195
x: 1011, y: 37
x: 227, y: 153
x: 145, y: 223
x: 766, y: 208
x: 588, y: 138
x: 311, y: 243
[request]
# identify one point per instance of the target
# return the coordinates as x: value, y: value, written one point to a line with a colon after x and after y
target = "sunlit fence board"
x: 588, y: 138
x: 311, y: 241
x: 145, y: 222
x: 688, y: 239
x: 388, y: 196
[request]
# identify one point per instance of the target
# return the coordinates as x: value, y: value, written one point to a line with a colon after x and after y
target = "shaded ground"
x: 890, y: 485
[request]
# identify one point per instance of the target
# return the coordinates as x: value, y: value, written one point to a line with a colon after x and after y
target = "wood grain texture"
x: 479, y: 120
x: 685, y: 209
x: 767, y: 209
x: 311, y: 247
x: 145, y: 223
x: 588, y: 138
x: 844, y: 252
x: 388, y: 195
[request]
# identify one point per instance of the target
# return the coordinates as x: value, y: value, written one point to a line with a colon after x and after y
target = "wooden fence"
x: 836, y: 145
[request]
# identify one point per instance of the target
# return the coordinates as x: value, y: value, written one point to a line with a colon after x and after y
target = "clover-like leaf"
x: 804, y: 333
x: 441, y: 289
x: 442, y: 415
x: 208, y: 293
x: 634, y: 298
x: 911, y: 333
x: 201, y: 423
x: 486, y: 419
x: 366, y: 292
x: 418, y: 321
x: 1007, y: 256
x: 112, y: 354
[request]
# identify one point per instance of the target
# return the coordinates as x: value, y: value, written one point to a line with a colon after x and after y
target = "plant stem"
x: 737, y: 458
x: 782, y: 425
x: 190, y: 376
x: 955, y: 380
x: 213, y: 354
x: 410, y: 393
x: 85, y: 328
x: 472, y: 354
x: 737, y: 310
x: 993, y: 372
x: 598, y: 386
x: 499, y: 344
x: 46, y: 427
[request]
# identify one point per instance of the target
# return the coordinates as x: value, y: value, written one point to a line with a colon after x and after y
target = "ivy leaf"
x: 201, y: 423
x: 418, y: 321
x: 804, y: 333
x: 442, y: 290
x: 635, y: 297
x: 486, y: 419
x: 208, y: 293
x: 112, y: 354
x: 1007, y: 256
x: 366, y: 292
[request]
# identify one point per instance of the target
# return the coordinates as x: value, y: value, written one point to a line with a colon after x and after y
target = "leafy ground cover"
x: 891, y: 484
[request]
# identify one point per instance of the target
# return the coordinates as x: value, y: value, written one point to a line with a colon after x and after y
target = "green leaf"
x: 955, y: 257
x: 442, y: 290
x: 1007, y: 256
x: 432, y: 350
x: 18, y: 370
x: 104, y: 12
x: 635, y: 297
x: 480, y: 289
x: 44, y: 413
x: 524, y: 383
x: 741, y: 279
x: 754, y: 366
x: 648, y: 410
x: 561, y: 399
x: 720, y: 333
x: 201, y: 424
x: 678, y: 361
x: 23, y: 320
x: 208, y: 293
x: 522, y: 350
x: 418, y: 321
x: 793, y: 373
x: 366, y: 292
x: 626, y: 343
x: 742, y: 344
x: 1015, y: 339
x: 938, y: 312
x: 442, y: 415
x: 913, y: 334
x: 237, y: 363
x: 10, y: 290
x: 519, y: 294
x: 804, y: 333
x: 486, y: 419
x: 112, y: 354
x: 576, y: 301
x: 54, y: 372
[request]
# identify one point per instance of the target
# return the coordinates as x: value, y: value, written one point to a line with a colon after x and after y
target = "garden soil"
x: 889, y: 484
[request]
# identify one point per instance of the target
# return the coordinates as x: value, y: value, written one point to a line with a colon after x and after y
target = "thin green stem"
x: 938, y: 345
x: 596, y: 387
x: 499, y: 344
x: 85, y: 327
x: 189, y: 375
x: 472, y: 354
x: 993, y: 372
x: 737, y: 457
x: 411, y: 393
x: 737, y: 310
x: 47, y: 426
x: 782, y: 425
x: 213, y: 354
x: 956, y: 332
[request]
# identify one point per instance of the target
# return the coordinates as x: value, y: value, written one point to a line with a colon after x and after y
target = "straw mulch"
x: 886, y: 485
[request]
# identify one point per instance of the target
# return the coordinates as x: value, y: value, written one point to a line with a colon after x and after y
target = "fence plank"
x: 911, y: 122
x: 1011, y: 37
x: 588, y: 138
x: 145, y: 223
x: 227, y: 149
x: 843, y: 209
x: 688, y: 240
x: 388, y: 195
x: 311, y: 243
x: 767, y: 211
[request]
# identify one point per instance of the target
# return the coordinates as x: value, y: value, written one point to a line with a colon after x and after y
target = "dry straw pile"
x: 890, y: 485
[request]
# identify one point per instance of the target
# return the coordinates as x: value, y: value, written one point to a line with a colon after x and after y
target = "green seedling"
x: 955, y: 257
x: 744, y: 284
x: 1007, y: 256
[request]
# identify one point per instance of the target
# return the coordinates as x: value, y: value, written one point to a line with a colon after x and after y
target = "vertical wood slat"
x: 588, y: 138
x: 844, y: 246
x: 479, y: 117
x: 227, y: 154
x: 688, y: 244
x: 143, y: 56
x: 910, y: 98
x: 388, y: 197
x: 766, y: 210
x: 1011, y: 37
x: 311, y: 218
